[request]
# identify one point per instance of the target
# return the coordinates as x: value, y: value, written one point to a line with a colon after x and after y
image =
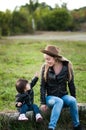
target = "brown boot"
x: 78, y: 127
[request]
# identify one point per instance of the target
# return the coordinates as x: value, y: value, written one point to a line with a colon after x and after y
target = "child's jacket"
x: 27, y: 97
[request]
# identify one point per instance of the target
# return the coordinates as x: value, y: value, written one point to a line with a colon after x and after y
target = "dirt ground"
x: 44, y: 35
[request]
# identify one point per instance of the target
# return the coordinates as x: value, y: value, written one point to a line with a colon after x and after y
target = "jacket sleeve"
x: 17, y: 100
x: 42, y: 87
x: 71, y: 85
x: 20, y: 98
x: 33, y: 82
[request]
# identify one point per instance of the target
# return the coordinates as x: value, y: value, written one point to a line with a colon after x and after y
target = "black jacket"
x: 27, y: 97
x: 56, y: 85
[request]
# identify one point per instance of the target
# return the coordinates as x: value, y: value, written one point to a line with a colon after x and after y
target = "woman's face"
x: 49, y: 60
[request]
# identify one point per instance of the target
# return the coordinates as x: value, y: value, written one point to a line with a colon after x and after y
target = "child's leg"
x: 23, y: 110
x: 37, y: 113
x: 35, y: 109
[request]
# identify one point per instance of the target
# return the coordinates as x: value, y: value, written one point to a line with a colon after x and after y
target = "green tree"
x: 5, y: 19
x: 39, y: 15
x: 1, y: 21
x: 57, y: 19
x: 20, y: 23
x: 79, y: 18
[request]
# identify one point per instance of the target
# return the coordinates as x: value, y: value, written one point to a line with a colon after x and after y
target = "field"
x: 22, y: 59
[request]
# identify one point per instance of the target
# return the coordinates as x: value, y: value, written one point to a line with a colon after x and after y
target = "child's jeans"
x: 24, y: 108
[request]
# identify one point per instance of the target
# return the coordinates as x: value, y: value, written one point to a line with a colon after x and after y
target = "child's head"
x: 21, y: 85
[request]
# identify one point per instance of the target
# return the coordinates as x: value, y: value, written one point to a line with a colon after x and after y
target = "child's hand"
x: 19, y: 104
x: 37, y: 74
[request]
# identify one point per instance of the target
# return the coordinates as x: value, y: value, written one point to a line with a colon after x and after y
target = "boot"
x: 50, y: 129
x: 78, y: 127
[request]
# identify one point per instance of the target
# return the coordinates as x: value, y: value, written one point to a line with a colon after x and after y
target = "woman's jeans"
x: 24, y: 108
x: 57, y: 104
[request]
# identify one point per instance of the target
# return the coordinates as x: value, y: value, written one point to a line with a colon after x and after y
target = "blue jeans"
x: 24, y: 108
x: 57, y: 104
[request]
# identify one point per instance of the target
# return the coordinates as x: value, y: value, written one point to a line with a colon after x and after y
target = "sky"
x: 71, y: 4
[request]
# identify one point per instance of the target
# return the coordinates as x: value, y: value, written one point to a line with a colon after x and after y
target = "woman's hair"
x: 70, y: 70
x: 20, y: 85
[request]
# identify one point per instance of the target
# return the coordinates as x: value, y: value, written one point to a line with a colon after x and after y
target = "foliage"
x: 33, y: 5
x: 79, y: 18
x: 5, y: 19
x: 22, y: 58
x: 40, y: 16
x: 45, y: 18
x: 20, y: 23
x: 58, y: 19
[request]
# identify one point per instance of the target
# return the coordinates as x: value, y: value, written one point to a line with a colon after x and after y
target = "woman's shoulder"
x: 70, y: 65
x: 67, y: 62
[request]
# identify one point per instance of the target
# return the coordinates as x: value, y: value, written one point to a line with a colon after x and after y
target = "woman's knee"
x: 69, y: 100
x: 54, y: 100
x: 60, y: 102
x: 73, y: 102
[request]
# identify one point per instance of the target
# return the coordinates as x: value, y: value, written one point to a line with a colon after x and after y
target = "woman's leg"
x: 71, y: 102
x: 56, y: 104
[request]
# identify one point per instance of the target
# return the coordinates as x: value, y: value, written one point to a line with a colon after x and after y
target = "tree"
x: 20, y: 23
x: 32, y: 7
x: 57, y: 19
x: 5, y: 18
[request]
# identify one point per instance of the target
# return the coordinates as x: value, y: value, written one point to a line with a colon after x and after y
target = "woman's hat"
x: 52, y: 51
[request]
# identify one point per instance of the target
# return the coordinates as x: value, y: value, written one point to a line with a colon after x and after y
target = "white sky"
x: 11, y: 4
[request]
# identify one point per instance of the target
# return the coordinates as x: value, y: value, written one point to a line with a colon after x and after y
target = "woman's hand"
x: 44, y: 108
x: 19, y: 104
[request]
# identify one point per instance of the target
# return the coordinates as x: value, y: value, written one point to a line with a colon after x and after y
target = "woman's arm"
x: 71, y: 84
x: 72, y: 88
x: 42, y: 87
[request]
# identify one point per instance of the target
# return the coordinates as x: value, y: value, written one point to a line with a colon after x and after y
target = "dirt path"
x: 74, y: 36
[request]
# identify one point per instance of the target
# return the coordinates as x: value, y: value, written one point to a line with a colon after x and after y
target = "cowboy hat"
x: 52, y: 51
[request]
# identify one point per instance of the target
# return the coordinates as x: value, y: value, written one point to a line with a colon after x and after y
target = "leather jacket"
x: 56, y: 85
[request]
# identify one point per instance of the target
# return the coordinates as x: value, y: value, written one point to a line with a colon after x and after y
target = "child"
x: 25, y: 97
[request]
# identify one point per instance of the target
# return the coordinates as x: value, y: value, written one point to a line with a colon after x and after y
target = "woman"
x: 56, y: 75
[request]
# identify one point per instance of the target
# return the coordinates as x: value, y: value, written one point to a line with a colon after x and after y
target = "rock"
x: 9, y: 120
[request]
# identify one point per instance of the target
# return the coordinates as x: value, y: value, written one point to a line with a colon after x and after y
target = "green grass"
x: 22, y: 58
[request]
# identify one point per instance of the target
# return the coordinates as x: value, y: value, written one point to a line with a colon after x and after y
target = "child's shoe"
x: 22, y: 117
x: 39, y: 118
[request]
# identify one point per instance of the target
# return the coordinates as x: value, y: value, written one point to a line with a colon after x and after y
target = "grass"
x: 22, y: 59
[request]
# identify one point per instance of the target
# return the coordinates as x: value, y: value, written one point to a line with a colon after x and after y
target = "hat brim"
x: 51, y: 54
